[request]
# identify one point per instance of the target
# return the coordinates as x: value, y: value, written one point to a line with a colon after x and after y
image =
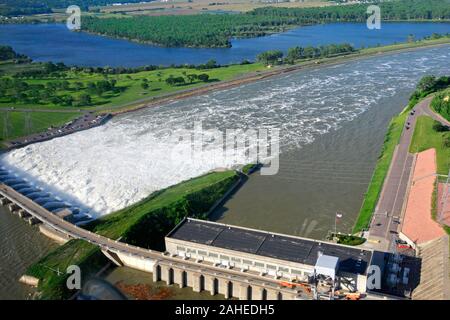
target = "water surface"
x: 54, y: 42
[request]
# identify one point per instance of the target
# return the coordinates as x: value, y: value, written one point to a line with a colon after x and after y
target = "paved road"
x: 387, y: 216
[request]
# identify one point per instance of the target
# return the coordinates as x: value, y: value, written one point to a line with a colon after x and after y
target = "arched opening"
x: 170, y: 276
x: 264, y: 294
x: 215, y: 286
x: 202, y: 282
x: 157, y: 275
x: 184, y: 279
x: 230, y: 289
x: 249, y: 293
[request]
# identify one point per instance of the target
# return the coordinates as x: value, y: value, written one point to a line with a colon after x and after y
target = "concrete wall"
x: 173, y: 244
x: 349, y: 281
x: 229, y: 286
x: 136, y: 262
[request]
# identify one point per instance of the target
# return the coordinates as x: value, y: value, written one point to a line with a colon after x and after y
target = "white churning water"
x: 110, y: 167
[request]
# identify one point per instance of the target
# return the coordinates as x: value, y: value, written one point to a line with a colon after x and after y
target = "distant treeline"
x: 27, y: 7
x: 208, y: 30
x: 7, y: 53
x: 298, y: 53
x: 390, y: 10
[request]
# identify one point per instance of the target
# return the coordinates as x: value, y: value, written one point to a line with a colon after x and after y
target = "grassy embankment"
x: 144, y: 224
x: 376, y: 184
x: 426, y: 137
x: 41, y: 121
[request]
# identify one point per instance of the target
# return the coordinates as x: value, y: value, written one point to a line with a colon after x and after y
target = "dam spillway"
x: 110, y: 167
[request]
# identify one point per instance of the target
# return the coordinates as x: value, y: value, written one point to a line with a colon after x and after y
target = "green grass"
x: 350, y: 240
x: 425, y: 137
x: 441, y: 104
x: 382, y: 167
x: 38, y: 122
x: 130, y: 85
x: 143, y: 224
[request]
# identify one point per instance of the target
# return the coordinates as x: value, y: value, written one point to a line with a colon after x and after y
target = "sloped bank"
x: 144, y: 224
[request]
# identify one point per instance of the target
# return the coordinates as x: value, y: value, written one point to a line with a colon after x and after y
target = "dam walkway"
x: 199, y: 275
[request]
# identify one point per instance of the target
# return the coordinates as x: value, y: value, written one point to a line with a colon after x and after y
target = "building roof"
x: 277, y: 246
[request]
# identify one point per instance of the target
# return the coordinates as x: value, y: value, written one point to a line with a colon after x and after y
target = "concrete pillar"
x: 244, y: 291
x: 210, y: 285
x: 196, y: 282
x: 226, y: 288
x: 179, y: 277
x: 167, y: 274
x: 273, y: 294
x: 259, y: 293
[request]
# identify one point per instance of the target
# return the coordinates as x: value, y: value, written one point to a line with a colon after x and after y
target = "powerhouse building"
x: 279, y: 256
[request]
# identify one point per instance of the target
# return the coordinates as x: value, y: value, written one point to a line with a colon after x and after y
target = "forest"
x: 212, y: 30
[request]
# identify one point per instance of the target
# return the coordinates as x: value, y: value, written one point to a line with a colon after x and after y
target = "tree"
x: 170, y: 80
x: 203, y: 77
x: 294, y: 54
x: 270, y: 57
x: 427, y: 83
x: 192, y: 77
x: 310, y: 52
x: 78, y: 86
x: 144, y: 85
x: 211, y: 64
x: 85, y: 100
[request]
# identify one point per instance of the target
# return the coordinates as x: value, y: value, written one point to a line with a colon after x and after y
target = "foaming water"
x: 107, y: 168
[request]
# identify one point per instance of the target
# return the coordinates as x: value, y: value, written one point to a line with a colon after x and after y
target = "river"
x: 20, y: 245
x: 332, y: 121
x: 54, y: 42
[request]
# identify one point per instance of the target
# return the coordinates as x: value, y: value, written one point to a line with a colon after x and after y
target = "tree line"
x: 27, y: 7
x: 7, y: 53
x: 298, y: 53
x: 212, y: 30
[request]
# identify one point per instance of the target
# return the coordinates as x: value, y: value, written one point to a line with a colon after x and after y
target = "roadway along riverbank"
x: 388, y: 213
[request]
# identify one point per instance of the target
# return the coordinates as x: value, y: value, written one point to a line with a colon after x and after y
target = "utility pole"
x: 27, y: 123
x: 6, y: 125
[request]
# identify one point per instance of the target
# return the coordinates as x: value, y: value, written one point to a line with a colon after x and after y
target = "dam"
x: 338, y: 126
x: 331, y: 117
x: 300, y: 271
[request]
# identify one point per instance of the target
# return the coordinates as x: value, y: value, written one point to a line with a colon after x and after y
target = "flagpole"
x: 335, y: 218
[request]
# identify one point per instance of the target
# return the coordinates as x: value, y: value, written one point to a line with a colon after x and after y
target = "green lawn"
x: 144, y: 224
x: 37, y: 122
x: 376, y: 184
x: 425, y: 137
x: 129, y: 85
x: 441, y: 103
